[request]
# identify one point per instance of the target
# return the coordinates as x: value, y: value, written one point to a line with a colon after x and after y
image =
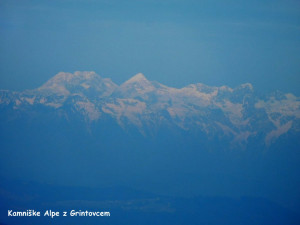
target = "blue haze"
x: 47, y: 160
x: 174, y: 42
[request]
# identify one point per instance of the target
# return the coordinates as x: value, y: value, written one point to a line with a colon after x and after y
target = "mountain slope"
x: 82, y: 129
x: 236, y: 115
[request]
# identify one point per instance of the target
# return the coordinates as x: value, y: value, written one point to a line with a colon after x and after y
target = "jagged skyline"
x: 238, y: 114
x: 176, y: 42
x: 160, y: 112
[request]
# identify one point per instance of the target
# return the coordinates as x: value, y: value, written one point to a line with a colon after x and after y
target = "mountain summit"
x: 82, y: 129
x: 136, y: 86
x: 137, y: 78
x: 237, y: 115
x: 86, y: 82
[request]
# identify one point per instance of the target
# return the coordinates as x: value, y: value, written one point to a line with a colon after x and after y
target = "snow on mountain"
x: 68, y: 83
x: 236, y: 113
x: 136, y: 86
x: 138, y: 78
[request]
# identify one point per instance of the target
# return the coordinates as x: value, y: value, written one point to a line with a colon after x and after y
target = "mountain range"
x: 238, y: 115
x: 82, y: 130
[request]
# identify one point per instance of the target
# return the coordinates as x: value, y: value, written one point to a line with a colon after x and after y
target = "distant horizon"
x: 177, y: 87
x: 176, y: 42
x: 194, y: 98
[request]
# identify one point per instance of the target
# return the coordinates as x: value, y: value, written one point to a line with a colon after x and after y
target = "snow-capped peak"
x: 62, y: 78
x: 135, y: 86
x: 85, y: 81
x: 136, y: 78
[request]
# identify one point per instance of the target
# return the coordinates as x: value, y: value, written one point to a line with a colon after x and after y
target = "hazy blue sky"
x: 174, y: 42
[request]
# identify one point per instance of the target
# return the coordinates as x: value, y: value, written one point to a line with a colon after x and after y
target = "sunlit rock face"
x: 235, y: 115
x: 82, y: 129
